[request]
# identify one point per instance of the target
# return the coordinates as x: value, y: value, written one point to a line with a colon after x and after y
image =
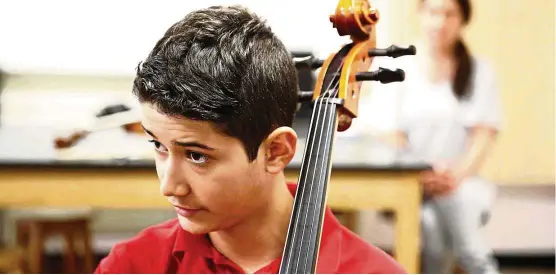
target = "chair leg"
x: 22, y: 237
x: 69, y: 253
x: 36, y: 248
x: 88, y: 250
x: 18, y: 265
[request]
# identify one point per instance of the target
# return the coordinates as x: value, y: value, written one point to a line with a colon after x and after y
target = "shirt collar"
x: 329, y: 252
x: 199, y: 243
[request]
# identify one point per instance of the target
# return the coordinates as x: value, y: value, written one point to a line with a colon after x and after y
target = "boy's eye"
x: 196, y: 157
x: 158, y: 146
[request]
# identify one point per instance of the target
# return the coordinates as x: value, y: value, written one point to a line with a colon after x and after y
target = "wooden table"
x: 109, y: 184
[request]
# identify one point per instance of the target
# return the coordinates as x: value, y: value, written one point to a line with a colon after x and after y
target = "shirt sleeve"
x: 484, y: 106
x: 115, y: 263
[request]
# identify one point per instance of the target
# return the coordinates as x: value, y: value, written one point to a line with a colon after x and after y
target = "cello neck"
x: 304, y: 233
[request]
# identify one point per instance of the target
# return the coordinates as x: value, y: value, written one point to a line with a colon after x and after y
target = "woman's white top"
x: 435, y: 122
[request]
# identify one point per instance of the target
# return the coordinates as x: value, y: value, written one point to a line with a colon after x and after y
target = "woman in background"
x: 449, y: 116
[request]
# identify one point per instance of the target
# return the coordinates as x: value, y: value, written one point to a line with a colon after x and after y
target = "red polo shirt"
x: 167, y: 248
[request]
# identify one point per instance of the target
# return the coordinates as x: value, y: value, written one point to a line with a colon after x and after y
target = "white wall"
x: 106, y: 39
x: 110, y: 37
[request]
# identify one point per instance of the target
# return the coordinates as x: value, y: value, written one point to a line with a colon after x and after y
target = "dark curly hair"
x: 223, y: 65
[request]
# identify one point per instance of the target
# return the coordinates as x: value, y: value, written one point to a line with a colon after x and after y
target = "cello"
x: 335, y: 103
x: 112, y: 116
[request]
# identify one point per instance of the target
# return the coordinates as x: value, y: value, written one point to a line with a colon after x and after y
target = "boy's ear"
x: 280, y: 149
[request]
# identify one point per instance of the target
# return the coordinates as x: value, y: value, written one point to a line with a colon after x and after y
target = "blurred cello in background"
x: 335, y: 103
x: 112, y: 116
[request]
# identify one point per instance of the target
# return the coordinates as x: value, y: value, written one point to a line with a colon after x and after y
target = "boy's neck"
x: 255, y: 243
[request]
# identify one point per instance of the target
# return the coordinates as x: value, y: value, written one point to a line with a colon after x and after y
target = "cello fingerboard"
x: 303, y: 240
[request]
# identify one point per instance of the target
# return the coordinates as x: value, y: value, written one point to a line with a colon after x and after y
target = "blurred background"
x: 64, y: 62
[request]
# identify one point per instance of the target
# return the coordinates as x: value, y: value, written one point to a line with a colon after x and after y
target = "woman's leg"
x: 463, y: 212
x: 436, y: 253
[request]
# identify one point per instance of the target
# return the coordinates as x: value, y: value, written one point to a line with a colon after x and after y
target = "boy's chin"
x: 195, y: 227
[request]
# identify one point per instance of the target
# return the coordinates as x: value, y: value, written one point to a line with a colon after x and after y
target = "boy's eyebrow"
x: 181, y: 143
x: 148, y: 132
x: 192, y: 144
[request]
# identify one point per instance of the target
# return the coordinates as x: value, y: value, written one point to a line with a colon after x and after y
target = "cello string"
x: 329, y: 126
x: 314, y: 215
x: 312, y: 137
x: 301, y: 193
x: 321, y: 99
x: 330, y: 95
x: 323, y: 167
x: 319, y: 107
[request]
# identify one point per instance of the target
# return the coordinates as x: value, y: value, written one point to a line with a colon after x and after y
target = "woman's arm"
x: 483, y: 117
x: 445, y: 179
x: 481, y: 140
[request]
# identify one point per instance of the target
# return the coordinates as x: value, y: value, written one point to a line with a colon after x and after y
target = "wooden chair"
x: 32, y: 233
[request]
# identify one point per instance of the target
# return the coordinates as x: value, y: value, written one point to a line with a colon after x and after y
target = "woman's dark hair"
x: 464, y: 63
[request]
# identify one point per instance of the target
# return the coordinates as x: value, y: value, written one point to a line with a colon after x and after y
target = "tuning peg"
x: 307, y: 63
x: 317, y: 63
x: 382, y: 75
x: 393, y: 51
x: 303, y: 96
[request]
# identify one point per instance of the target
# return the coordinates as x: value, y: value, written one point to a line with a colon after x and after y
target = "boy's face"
x: 204, y: 174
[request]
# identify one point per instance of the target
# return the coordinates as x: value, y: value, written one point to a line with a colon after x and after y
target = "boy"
x: 218, y: 95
